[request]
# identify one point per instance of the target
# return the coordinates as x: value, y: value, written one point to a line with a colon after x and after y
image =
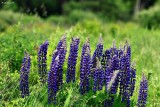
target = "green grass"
x: 145, y: 52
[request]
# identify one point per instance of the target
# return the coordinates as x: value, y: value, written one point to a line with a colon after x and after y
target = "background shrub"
x: 150, y: 18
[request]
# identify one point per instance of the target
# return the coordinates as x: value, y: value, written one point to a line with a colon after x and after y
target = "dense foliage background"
x: 27, y: 24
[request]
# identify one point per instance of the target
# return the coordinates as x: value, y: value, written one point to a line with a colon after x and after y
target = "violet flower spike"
x: 122, y: 76
x: 98, y: 77
x: 107, y: 75
x: 127, y: 81
x: 62, y: 54
x: 72, y: 59
x: 42, y: 58
x: 106, y: 58
x: 24, y: 73
x: 98, y: 52
x: 143, y: 92
x: 62, y: 41
x: 53, y: 84
x: 85, y: 71
x: 133, y: 78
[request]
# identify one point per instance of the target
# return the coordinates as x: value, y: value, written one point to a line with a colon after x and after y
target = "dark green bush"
x: 84, y: 5
x: 149, y: 18
x: 41, y: 7
x: 3, y: 26
x: 8, y: 18
x: 8, y: 5
x: 57, y: 19
x: 72, y: 17
x: 109, y: 9
x: 79, y: 15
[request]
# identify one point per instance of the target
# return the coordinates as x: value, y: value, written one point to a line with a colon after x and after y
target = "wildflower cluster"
x: 111, y: 69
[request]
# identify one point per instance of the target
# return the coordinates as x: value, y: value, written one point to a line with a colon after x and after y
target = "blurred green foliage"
x: 108, y: 9
x: 8, y: 18
x: 41, y: 7
x: 150, y: 18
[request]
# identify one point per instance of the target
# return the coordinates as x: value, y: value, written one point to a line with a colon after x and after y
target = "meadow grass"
x: 145, y: 52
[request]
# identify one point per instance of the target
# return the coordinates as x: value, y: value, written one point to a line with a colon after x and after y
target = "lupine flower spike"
x: 54, y: 55
x: 133, y: 78
x: 143, y: 92
x: 62, y: 54
x: 53, y: 80
x: 98, y: 76
x: 126, y: 79
x: 85, y: 71
x: 98, y: 52
x: 87, y: 44
x: 112, y: 80
x: 114, y: 49
x: 61, y: 48
x: 62, y: 40
x: 107, y: 75
x: 106, y: 57
x: 24, y: 72
x: 111, y: 90
x: 42, y: 58
x: 71, y: 69
x: 114, y: 68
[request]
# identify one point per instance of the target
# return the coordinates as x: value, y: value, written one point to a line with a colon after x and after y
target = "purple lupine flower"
x: 143, y: 92
x: 42, y: 58
x: 109, y: 101
x: 112, y: 89
x: 128, y: 49
x: 98, y: 52
x: 53, y: 84
x: 133, y: 79
x: 71, y: 69
x: 112, y: 65
x: 24, y: 72
x: 121, y: 75
x: 115, y: 65
x: 104, y: 61
x: 61, y: 42
x: 54, y: 55
x: 120, y: 53
x: 113, y: 50
x: 108, y: 54
x: 126, y: 72
x: 112, y: 80
x: 61, y: 49
x: 85, y: 46
x: 106, y: 58
x: 62, y: 54
x: 85, y: 71
x: 98, y: 77
x: 107, y: 75
x: 128, y: 81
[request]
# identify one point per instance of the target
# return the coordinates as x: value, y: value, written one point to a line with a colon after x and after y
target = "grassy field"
x: 28, y: 33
